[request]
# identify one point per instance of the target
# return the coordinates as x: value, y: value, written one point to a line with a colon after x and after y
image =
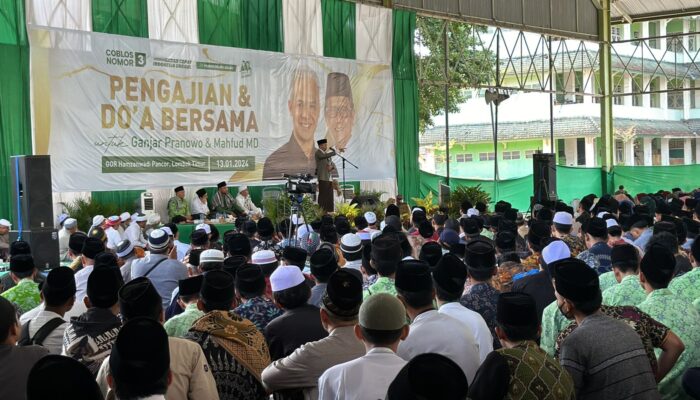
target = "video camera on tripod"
x: 300, y: 184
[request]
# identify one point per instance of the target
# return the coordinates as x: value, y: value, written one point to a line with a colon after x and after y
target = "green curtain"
x: 574, y: 183
x: 651, y: 179
x: 405, y: 104
x: 120, y: 17
x: 249, y: 24
x: 126, y: 200
x: 15, y: 119
x: 338, y: 28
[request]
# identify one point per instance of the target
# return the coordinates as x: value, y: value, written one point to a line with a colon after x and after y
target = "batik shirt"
x: 627, y: 293
x: 598, y: 257
x: 259, y: 311
x: 687, y: 286
x: 269, y: 245
x: 607, y: 280
x: 370, y: 281
x: 532, y: 262
x: 382, y: 285
x: 179, y: 325
x: 482, y: 298
x: 652, y: 332
x: 553, y: 322
x: 524, y: 372
x: 25, y: 294
x: 178, y: 206
x: 576, y: 245
x: 684, y: 320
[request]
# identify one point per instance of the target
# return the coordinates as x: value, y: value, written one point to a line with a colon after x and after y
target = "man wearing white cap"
x: 561, y: 229
x: 70, y: 226
x: 246, y: 203
x: 371, y: 219
x: 126, y: 220
x: 113, y: 236
x: 134, y: 232
x: 5, y: 226
x: 539, y: 285
x: 351, y: 248
x: 98, y: 221
x: 127, y: 255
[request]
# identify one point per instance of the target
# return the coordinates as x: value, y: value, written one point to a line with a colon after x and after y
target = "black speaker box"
x: 31, y: 192
x: 544, y: 177
x: 44, y: 245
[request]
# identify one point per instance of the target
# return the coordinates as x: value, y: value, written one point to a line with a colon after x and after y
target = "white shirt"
x: 364, y: 378
x: 454, y: 341
x: 63, y: 238
x: 135, y: 235
x: 197, y: 207
x: 54, y: 341
x: 113, y: 238
x: 247, y: 205
x: 353, y: 264
x: 182, y: 249
x: 78, y: 309
x: 81, y: 278
x: 476, y: 324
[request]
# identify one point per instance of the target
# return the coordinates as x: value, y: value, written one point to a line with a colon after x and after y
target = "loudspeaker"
x: 544, y: 177
x: 44, y: 245
x: 31, y: 192
x: 364, y: 201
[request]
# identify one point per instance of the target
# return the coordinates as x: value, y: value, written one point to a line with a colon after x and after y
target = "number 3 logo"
x: 140, y: 59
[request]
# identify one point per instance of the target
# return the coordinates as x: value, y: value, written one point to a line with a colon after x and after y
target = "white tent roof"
x: 639, y: 10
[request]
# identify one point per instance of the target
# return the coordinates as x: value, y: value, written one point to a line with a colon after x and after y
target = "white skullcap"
x: 611, y: 222
x: 350, y: 243
x: 153, y: 219
x: 167, y: 230
x: 371, y: 217
x: 97, y: 220
x: 125, y: 216
x: 211, y: 255
x: 139, y: 218
x: 285, y: 277
x: 204, y: 227
x: 124, y: 248
x: 70, y: 223
x: 555, y: 251
x: 563, y: 218
x: 62, y: 218
x: 5, y: 223
x: 242, y: 188
x: 602, y: 214
x: 472, y: 212
x: 263, y: 257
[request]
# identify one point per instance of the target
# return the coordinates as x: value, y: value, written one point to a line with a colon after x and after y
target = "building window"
x: 487, y: 156
x: 464, y: 158
x: 580, y: 151
x: 675, y: 100
x: 676, y: 151
x: 529, y: 153
x: 618, y: 100
x: 620, y: 152
x: 439, y: 159
x: 511, y: 155
x: 616, y: 33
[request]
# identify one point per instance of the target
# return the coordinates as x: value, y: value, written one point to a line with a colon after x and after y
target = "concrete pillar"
x: 686, y: 39
x: 647, y: 152
x: 570, y: 151
x: 570, y: 85
x: 664, y: 151
x: 629, y: 152
x: 686, y: 99
x: 627, y: 88
x: 646, y: 98
x: 626, y: 31
x: 662, y: 32
x: 687, y: 151
x: 663, y: 97
x: 590, y: 152
x: 644, y: 31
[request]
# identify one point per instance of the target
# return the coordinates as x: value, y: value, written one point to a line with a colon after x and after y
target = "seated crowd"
x: 600, y: 301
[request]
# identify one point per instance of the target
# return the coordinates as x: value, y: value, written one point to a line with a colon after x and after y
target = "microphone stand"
x: 344, y: 160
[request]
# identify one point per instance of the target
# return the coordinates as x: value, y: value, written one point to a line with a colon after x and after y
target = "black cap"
x: 59, y: 286
x: 429, y: 376
x: 658, y: 264
x: 480, y: 254
x: 450, y: 273
x: 624, y: 254
x: 103, y: 287
x: 597, y: 227
x: 265, y: 228
x: 662, y: 207
x: 343, y: 296
x: 220, y: 184
x: 392, y: 209
x: 516, y: 309
x: 665, y: 226
x: 199, y: 237
x: 201, y: 192
x: 60, y: 377
x: 386, y: 250
x: 217, y: 287
x: 295, y: 256
x: 19, y: 247
x: 138, y: 298
x: 505, y: 240
x: 250, y: 279
x: 190, y: 286
x: 233, y: 263
x: 98, y: 233
x: 76, y: 242
x: 425, y: 229
x: 250, y: 227
x: 470, y: 226
x: 21, y: 263
x: 511, y: 214
x: 538, y: 231
x: 575, y: 280
x: 413, y: 276
x: 179, y: 189
x: 92, y: 247
x: 431, y: 253
x: 323, y: 263
x: 238, y: 244
x: 141, y: 353
x: 106, y: 259
x: 321, y: 141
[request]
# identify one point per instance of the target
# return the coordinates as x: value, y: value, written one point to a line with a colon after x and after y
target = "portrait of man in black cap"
x: 339, y: 110
x: 297, y: 155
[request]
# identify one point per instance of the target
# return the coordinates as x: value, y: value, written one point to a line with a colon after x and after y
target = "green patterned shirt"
x: 180, y: 324
x: 524, y: 372
x: 553, y: 322
x: 677, y: 314
x: 607, y: 280
x: 628, y: 293
x: 382, y: 285
x: 25, y: 294
x: 687, y: 286
x: 178, y: 206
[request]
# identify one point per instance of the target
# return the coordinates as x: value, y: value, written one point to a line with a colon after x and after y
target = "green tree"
x: 470, y: 65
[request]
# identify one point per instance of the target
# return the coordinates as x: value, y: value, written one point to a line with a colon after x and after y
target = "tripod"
x: 344, y: 160
x: 295, y: 208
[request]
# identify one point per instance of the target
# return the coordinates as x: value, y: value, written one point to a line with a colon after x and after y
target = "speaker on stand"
x: 544, y: 177
x: 32, y: 208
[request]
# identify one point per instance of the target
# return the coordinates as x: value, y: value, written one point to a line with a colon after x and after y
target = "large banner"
x: 117, y: 112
